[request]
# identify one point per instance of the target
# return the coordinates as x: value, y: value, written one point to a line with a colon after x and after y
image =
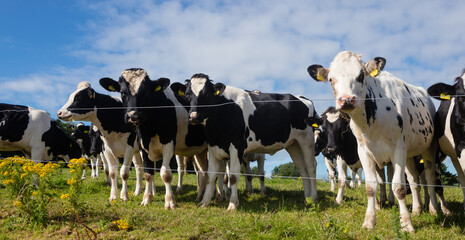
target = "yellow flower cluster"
x: 40, y: 169
x: 77, y: 163
x: 121, y: 224
x: 13, y: 169
x: 71, y: 181
x: 64, y: 196
x: 17, y: 203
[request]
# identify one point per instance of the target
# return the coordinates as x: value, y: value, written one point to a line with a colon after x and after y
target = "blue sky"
x: 48, y: 47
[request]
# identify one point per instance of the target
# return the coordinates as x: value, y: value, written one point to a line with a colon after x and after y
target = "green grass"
x: 280, y: 214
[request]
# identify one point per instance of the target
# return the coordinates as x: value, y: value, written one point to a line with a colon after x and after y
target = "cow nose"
x: 132, y: 117
x: 331, y: 150
x: 193, y: 118
x: 346, y: 101
x: 60, y: 113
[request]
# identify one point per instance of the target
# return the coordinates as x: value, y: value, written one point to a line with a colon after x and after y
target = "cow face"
x: 138, y: 92
x: 80, y: 103
x: 96, y: 142
x: 200, y: 92
x: 445, y: 92
x: 347, y: 75
x: 334, y: 125
x: 80, y: 131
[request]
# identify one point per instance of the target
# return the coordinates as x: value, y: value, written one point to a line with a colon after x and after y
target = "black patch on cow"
x: 410, y: 116
x: 406, y: 88
x: 13, y: 122
x: 400, y: 122
x: 370, y: 106
x: 195, y: 135
x: 413, y: 103
x: 250, y: 139
x: 60, y: 143
x: 388, y: 108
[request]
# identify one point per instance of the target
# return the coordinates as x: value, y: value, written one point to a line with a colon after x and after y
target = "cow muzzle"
x: 132, y: 117
x: 346, y: 102
x: 64, y: 115
x: 194, y: 118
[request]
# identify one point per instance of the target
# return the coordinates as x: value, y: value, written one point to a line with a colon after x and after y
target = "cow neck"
x: 109, y: 120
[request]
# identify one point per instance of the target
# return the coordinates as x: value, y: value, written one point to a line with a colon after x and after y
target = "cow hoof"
x: 232, y: 207
x: 370, y: 222
x: 170, y: 205
x: 408, y: 228
x: 146, y: 200
x: 178, y: 190
x: 338, y: 202
x: 219, y: 198
x: 113, y: 198
x: 446, y: 211
x: 202, y: 205
x: 137, y: 192
x: 124, y: 197
x: 352, y: 185
x: 416, y: 212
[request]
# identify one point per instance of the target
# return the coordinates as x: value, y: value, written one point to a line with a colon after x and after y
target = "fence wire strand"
x: 253, y: 175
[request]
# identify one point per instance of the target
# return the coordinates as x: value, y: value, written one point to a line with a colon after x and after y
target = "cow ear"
x: 110, y: 84
x: 219, y: 89
x: 318, y: 72
x: 178, y: 88
x: 441, y: 91
x: 160, y: 84
x: 375, y: 66
x: 314, y: 121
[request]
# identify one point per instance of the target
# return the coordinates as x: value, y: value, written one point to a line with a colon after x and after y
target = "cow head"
x: 137, y: 92
x: 80, y: 103
x: 200, y: 92
x: 347, y: 75
x: 334, y: 125
x: 80, y: 131
x: 445, y: 92
x: 96, y: 142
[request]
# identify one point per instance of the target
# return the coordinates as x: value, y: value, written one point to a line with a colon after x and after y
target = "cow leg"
x: 234, y: 174
x: 213, y: 167
x: 139, y: 165
x: 93, y: 166
x: 106, y: 169
x: 382, y: 188
x: 167, y: 176
x: 342, y: 178
x: 390, y: 173
x: 261, y: 172
x: 222, y: 180
x: 430, y: 173
x: 113, y: 167
x: 305, y: 162
x: 248, y: 176
x: 371, y: 185
x: 358, y: 175
x: 352, y: 180
x: 124, y: 173
x: 201, y: 166
x: 398, y: 184
x: 461, y: 174
x: 180, y: 163
x: 331, y: 173
x: 149, y: 172
x: 413, y: 179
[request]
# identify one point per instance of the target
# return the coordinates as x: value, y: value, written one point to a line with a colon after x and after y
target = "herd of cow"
x: 379, y: 120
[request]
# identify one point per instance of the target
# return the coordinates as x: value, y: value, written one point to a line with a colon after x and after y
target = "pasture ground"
x: 280, y: 214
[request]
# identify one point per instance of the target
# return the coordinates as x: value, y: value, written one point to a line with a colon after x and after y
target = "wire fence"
x: 254, y: 175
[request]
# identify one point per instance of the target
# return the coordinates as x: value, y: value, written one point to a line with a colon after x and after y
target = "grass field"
x: 280, y: 214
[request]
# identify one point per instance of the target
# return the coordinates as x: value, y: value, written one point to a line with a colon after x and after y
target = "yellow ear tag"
x: 217, y: 92
x: 315, y: 125
x: 421, y: 161
x: 157, y: 88
x: 320, y: 77
x: 86, y: 131
x: 71, y: 146
x: 111, y: 88
x: 374, y: 73
x: 445, y: 96
x: 180, y: 93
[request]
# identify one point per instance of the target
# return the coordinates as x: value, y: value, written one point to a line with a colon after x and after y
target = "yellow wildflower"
x: 34, y: 193
x: 121, y: 224
x: 71, y: 181
x: 64, y: 196
x: 17, y: 203
x: 328, y: 224
x: 23, y: 175
x: 8, y: 181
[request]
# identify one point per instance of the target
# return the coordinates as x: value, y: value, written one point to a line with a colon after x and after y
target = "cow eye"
x: 360, y: 77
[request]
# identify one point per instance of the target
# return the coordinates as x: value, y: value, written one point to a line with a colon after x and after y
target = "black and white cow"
x: 450, y: 123
x: 107, y: 114
x: 81, y: 134
x: 162, y: 125
x: 238, y: 122
x: 34, y: 133
x: 392, y: 121
x: 97, y: 150
x: 341, y: 145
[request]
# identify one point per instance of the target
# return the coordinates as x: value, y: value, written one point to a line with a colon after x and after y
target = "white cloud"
x: 259, y: 44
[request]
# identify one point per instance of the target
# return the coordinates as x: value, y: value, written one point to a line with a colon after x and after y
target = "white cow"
x: 392, y: 121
